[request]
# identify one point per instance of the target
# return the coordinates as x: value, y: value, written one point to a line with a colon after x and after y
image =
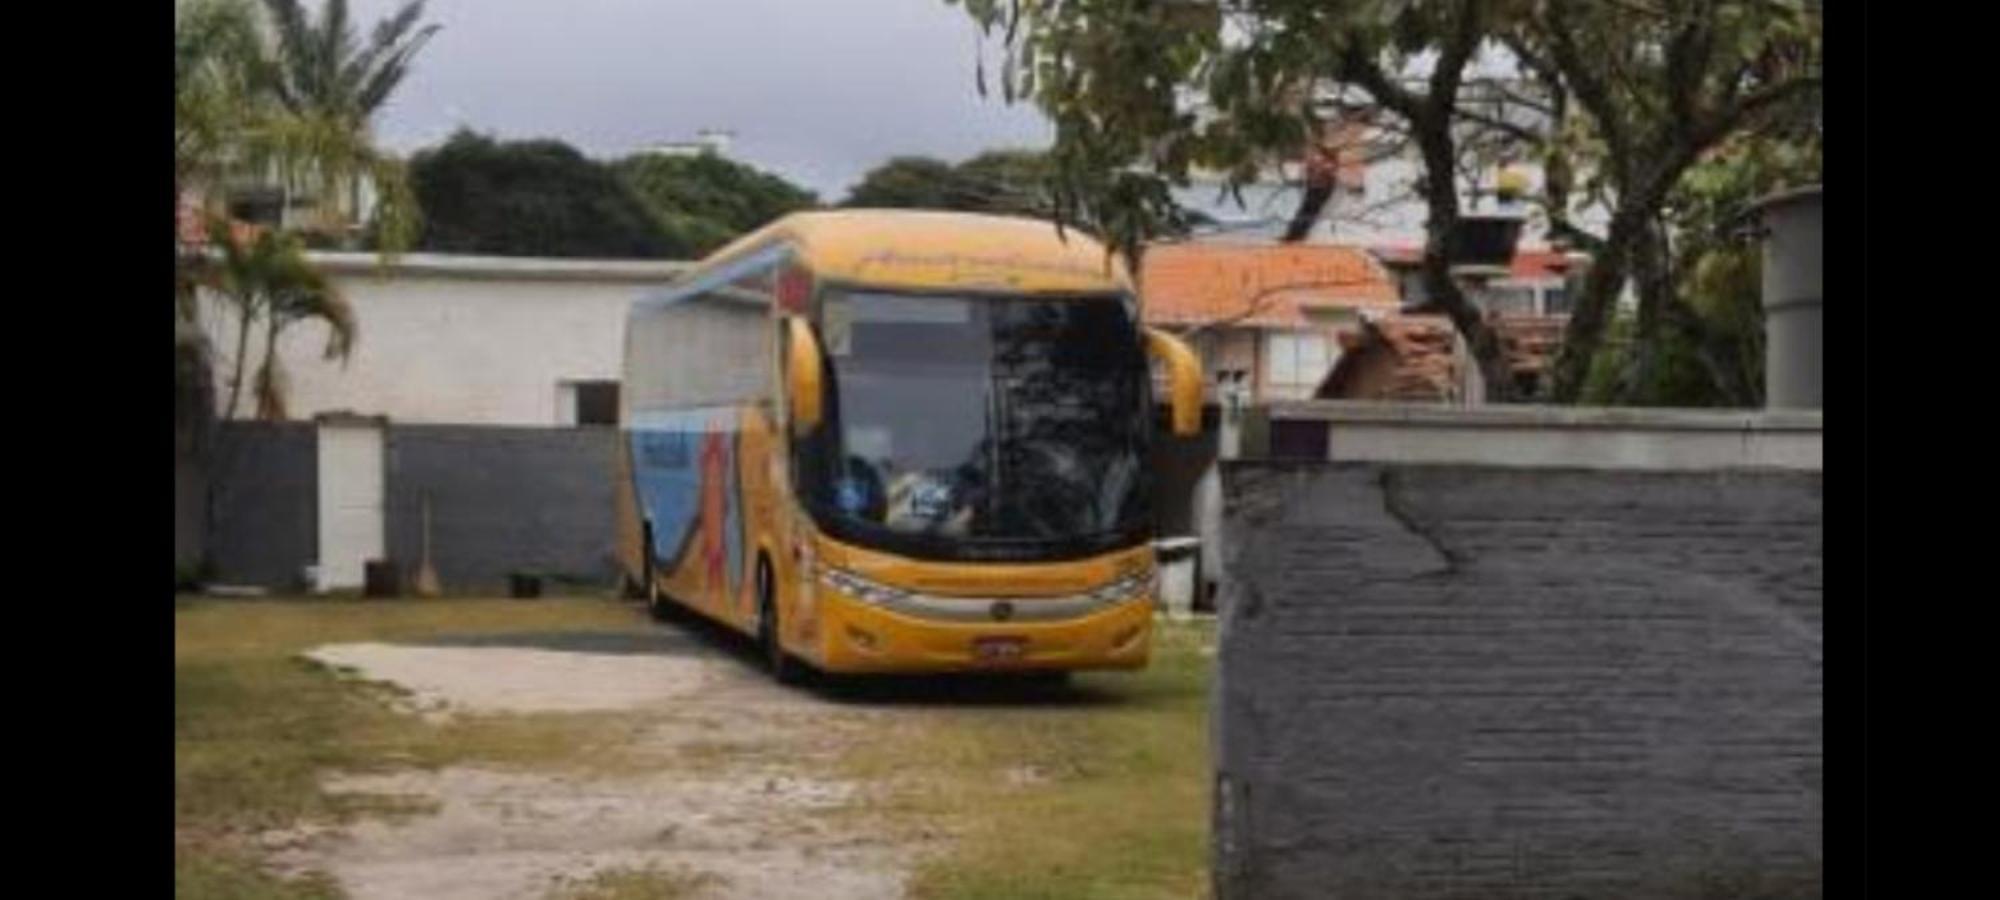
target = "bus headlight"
x: 860, y: 588
x: 1125, y: 587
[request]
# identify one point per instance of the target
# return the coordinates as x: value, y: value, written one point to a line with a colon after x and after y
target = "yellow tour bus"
x: 900, y: 441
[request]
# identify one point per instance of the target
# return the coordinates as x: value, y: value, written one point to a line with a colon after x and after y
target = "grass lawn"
x: 254, y: 725
x: 1105, y: 795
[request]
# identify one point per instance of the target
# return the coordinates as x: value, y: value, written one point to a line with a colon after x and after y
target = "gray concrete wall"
x: 1562, y: 437
x: 1503, y: 681
x: 503, y: 499
x: 266, y: 528
x: 190, y: 534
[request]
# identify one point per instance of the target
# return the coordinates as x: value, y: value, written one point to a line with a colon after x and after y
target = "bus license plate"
x: 996, y: 649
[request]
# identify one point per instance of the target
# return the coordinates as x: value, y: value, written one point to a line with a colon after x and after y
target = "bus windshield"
x: 980, y: 426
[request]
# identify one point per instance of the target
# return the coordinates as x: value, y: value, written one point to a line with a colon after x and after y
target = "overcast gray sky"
x: 816, y: 90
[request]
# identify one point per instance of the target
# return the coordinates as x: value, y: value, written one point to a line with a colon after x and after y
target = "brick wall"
x: 1486, y: 682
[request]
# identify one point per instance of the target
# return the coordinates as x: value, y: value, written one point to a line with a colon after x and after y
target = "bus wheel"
x: 783, y: 668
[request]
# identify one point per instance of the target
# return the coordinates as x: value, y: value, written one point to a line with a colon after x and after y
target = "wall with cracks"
x: 1484, y: 681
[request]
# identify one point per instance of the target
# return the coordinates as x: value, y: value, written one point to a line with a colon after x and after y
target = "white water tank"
x: 1792, y: 298
x: 1177, y: 559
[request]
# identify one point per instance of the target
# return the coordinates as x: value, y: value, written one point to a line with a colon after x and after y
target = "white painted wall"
x: 454, y: 339
x: 351, y: 486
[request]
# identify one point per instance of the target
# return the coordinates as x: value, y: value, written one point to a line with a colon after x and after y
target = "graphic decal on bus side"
x: 722, y: 544
x: 685, y: 476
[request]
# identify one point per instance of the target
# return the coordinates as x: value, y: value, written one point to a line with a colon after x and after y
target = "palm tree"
x: 219, y: 72
x: 330, y: 84
x: 312, y: 297
x: 217, y: 107
x: 267, y: 279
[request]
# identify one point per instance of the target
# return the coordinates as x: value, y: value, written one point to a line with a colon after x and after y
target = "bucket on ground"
x: 381, y: 578
x: 1177, y: 558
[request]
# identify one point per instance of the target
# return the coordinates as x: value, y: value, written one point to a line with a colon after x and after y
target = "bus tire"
x: 784, y: 669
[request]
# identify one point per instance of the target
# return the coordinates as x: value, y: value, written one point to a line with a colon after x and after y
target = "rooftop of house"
x: 1531, y: 341
x: 1420, y: 350
x: 1422, y: 353
x: 1529, y: 264
x: 1259, y: 286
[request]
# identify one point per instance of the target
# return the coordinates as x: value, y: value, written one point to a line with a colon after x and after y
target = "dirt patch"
x: 521, y: 680
x: 733, y: 799
x: 501, y: 834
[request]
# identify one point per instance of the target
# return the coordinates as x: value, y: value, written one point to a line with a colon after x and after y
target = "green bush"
x: 191, y: 575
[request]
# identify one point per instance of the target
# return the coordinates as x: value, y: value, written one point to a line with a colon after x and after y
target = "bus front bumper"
x: 861, y: 637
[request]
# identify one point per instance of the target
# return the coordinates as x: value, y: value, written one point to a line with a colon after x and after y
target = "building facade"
x: 1265, y: 319
x: 460, y: 340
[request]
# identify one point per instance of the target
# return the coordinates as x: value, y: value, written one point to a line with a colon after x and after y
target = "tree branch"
x: 1507, y: 94
x: 1518, y: 131
x: 1356, y: 66
x: 1590, y: 90
x: 1261, y: 301
x: 1535, y: 63
x: 1687, y: 50
x: 1449, y: 72
x: 1752, y: 105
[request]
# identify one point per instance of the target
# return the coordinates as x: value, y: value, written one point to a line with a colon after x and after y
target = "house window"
x: 1297, y: 360
x: 1411, y: 282
x: 587, y: 403
x: 1512, y: 300
x: 1555, y: 301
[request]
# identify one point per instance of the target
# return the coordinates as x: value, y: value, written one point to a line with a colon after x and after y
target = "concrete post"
x: 1791, y: 290
x: 1208, y: 529
x: 1229, y: 434
x: 1235, y: 398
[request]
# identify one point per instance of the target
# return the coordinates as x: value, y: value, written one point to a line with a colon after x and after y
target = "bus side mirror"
x: 803, y: 389
x: 1183, y: 379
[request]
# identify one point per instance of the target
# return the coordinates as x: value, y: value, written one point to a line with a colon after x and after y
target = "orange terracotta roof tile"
x: 1531, y: 341
x: 1421, y: 351
x: 1539, y: 264
x: 1419, y: 348
x: 1529, y: 264
x: 1192, y: 284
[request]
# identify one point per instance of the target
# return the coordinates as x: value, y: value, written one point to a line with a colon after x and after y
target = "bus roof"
x: 927, y: 249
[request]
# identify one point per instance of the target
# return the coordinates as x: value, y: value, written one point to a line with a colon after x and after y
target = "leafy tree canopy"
x: 1631, y: 94
x: 997, y: 181
x: 704, y: 201
x: 906, y: 182
x: 530, y: 198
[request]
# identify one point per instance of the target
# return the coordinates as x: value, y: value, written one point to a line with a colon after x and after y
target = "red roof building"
x: 1260, y: 285
x: 1417, y: 358
x: 1265, y: 316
